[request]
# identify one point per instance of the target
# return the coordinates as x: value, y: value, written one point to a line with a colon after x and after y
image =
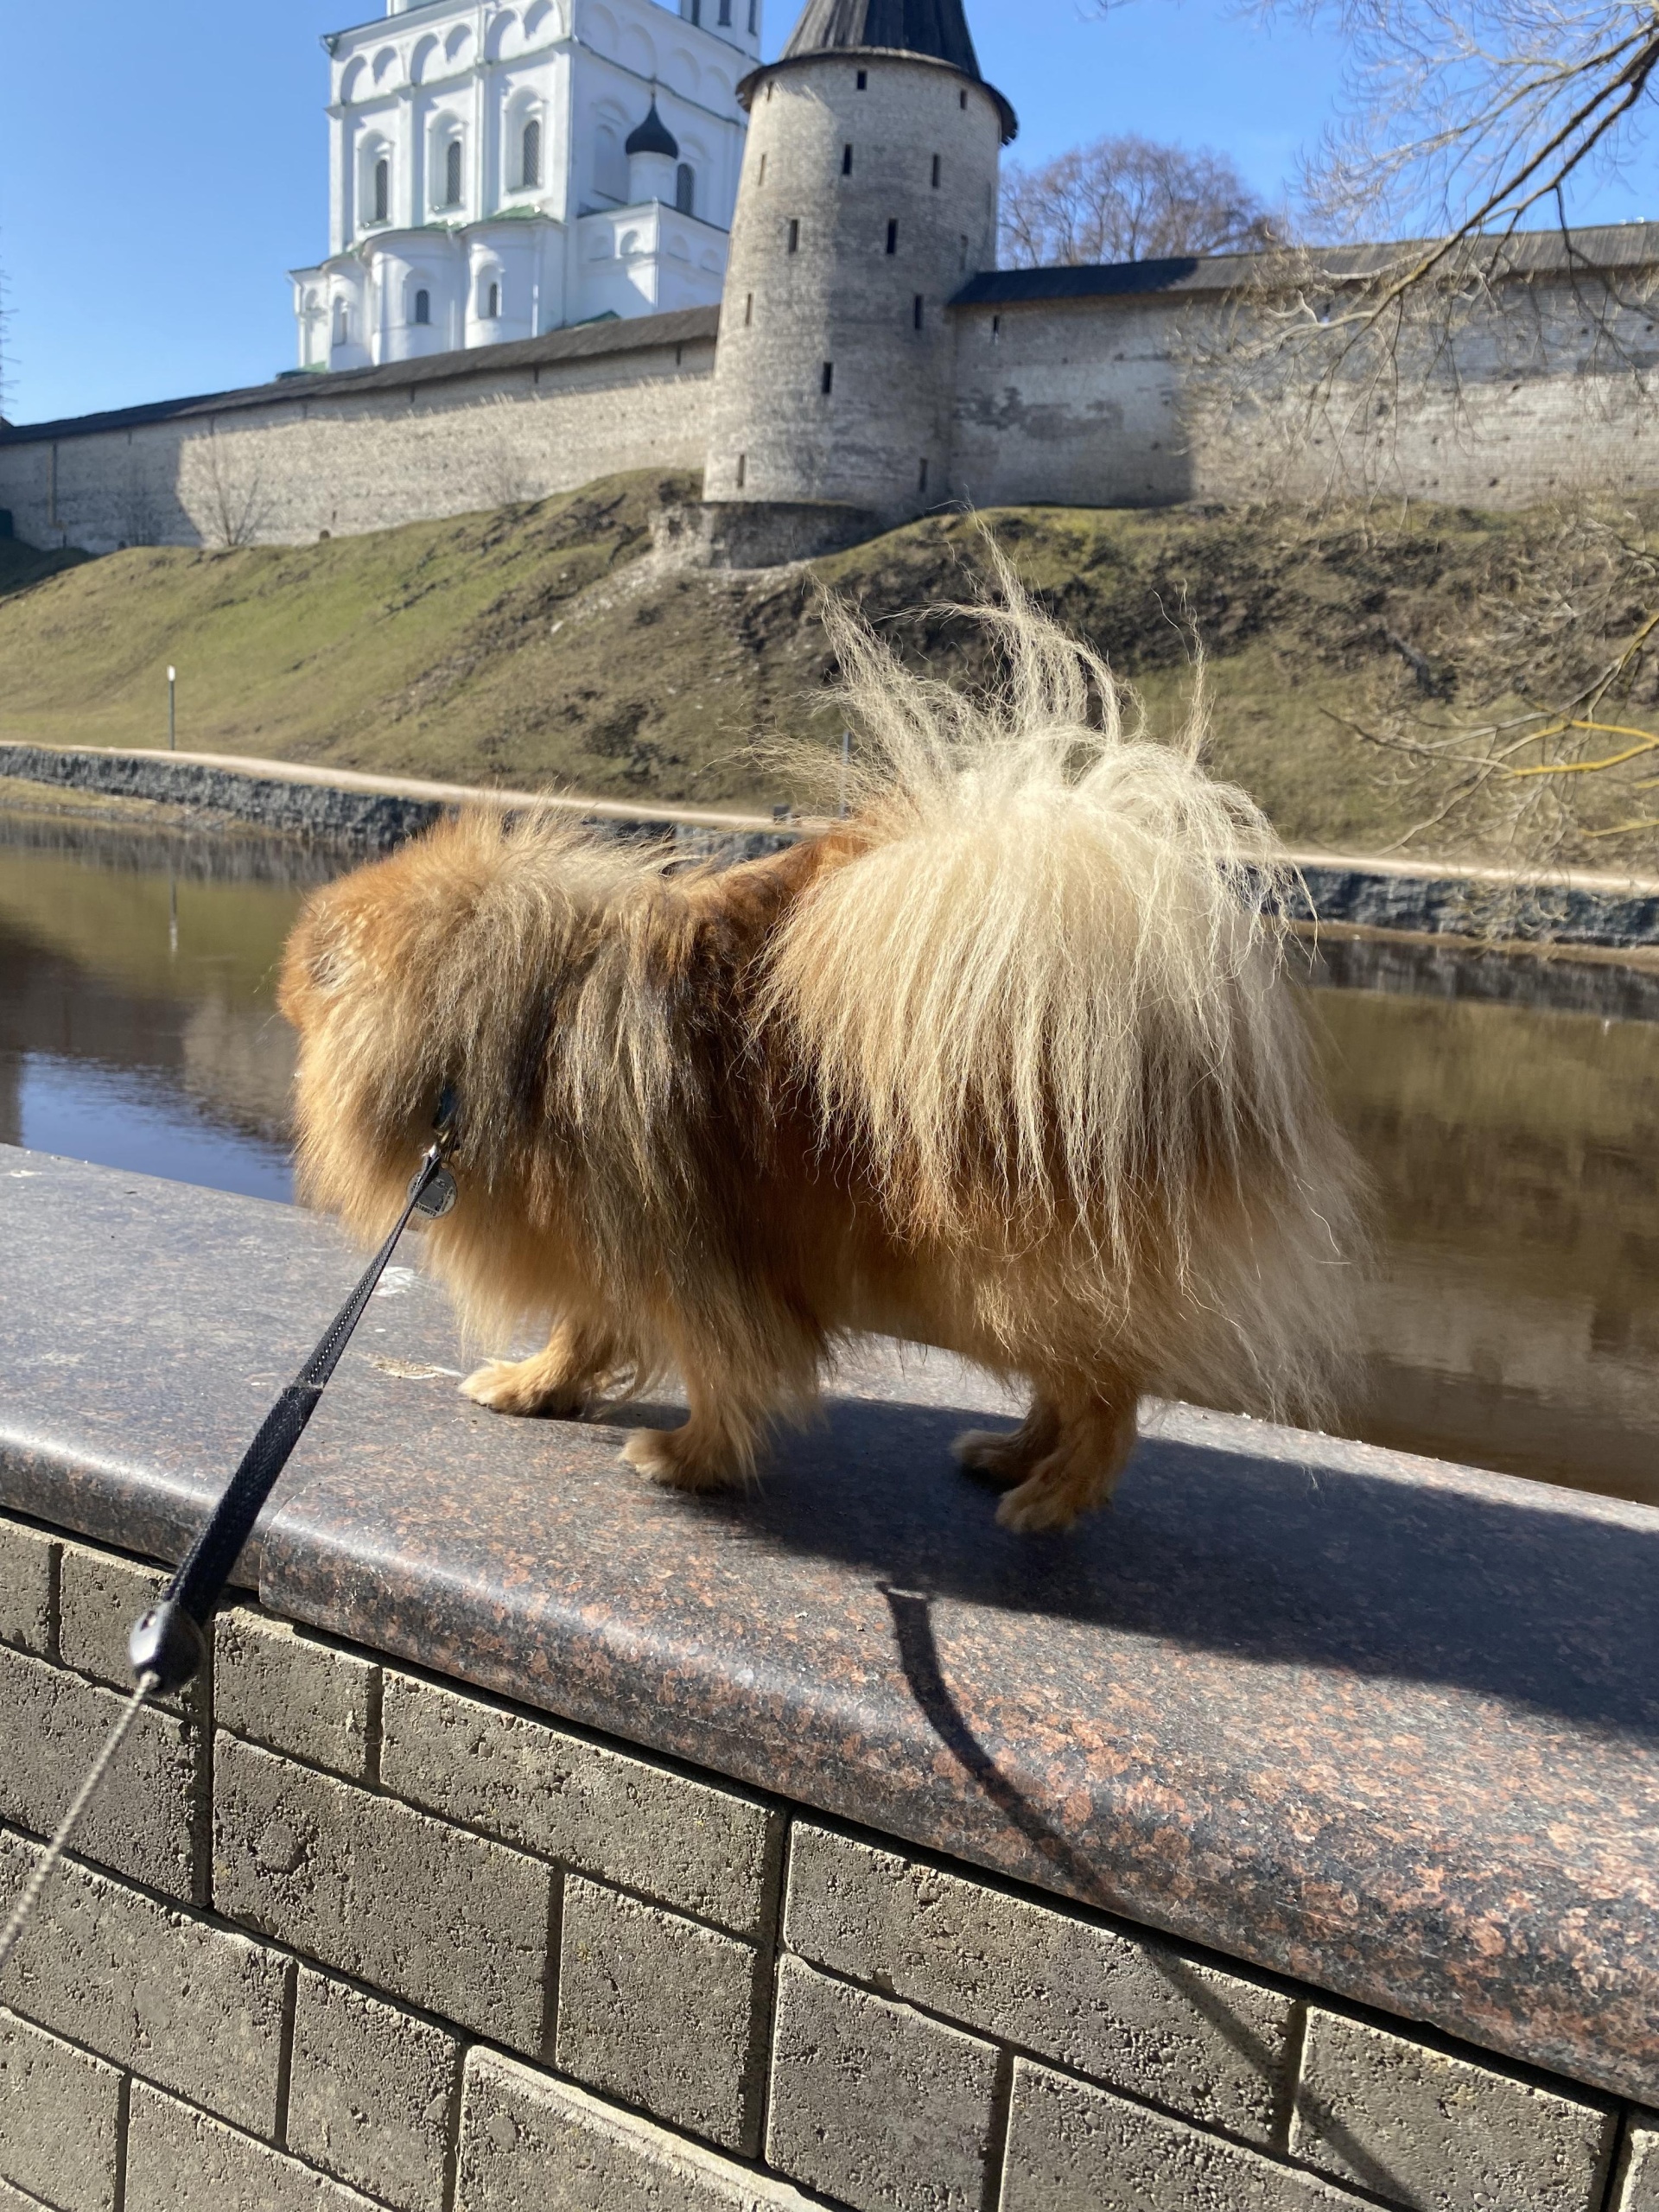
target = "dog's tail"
x: 1043, y: 995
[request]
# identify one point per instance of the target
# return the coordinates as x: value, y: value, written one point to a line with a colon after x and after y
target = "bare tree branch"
x: 1128, y: 199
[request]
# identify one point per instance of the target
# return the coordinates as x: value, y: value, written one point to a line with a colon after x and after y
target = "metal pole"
x: 172, y: 710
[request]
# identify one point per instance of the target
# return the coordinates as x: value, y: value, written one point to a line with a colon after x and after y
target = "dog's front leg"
x: 1089, y: 1449
x: 562, y: 1380
x: 715, y: 1449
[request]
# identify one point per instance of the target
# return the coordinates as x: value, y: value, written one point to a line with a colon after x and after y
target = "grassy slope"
x: 539, y: 646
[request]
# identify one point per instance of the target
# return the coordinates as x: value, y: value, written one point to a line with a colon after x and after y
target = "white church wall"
x: 311, y: 461
x: 583, y: 72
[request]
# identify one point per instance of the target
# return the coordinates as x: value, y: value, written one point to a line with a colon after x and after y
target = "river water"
x: 1508, y: 1111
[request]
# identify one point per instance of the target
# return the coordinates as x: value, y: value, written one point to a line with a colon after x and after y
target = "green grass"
x: 540, y: 647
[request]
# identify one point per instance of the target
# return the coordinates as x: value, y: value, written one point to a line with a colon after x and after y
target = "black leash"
x: 169, y: 1642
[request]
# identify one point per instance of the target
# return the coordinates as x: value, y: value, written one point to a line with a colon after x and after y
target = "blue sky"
x: 163, y: 161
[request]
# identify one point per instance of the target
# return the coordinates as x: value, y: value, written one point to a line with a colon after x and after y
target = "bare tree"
x: 1480, y: 116
x: 238, y: 499
x: 499, y: 471
x: 1128, y: 199
x: 1532, y: 730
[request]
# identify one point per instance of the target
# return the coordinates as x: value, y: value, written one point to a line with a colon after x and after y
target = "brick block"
x: 99, y: 1596
x: 59, y: 2119
x: 531, y: 2144
x: 178, y: 2160
x: 874, y: 2103
x: 29, y: 1583
x: 1132, y: 2012
x: 372, y: 2094
x: 1072, y: 2148
x: 1637, y: 2190
x: 451, y: 1921
x: 291, y: 1691
x: 144, y: 1820
x: 14, y: 2200
x: 1440, y: 2134
x: 661, y: 2013
x: 707, y: 1852
x: 189, y: 2007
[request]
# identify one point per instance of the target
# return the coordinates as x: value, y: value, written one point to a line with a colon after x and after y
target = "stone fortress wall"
x: 1089, y: 401
x: 288, y: 463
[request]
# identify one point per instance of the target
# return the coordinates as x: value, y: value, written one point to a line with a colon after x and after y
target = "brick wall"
x: 341, y: 1936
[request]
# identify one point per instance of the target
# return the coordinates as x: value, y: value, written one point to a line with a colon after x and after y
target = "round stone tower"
x: 869, y: 198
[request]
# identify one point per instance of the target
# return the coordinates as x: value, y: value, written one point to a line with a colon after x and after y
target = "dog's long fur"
x: 1005, y: 1064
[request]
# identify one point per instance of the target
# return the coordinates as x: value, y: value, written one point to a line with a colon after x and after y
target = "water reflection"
x: 138, y: 1022
x: 1515, y: 1149
x: 1509, y: 1111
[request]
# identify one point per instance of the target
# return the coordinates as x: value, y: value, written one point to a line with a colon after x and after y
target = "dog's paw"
x: 990, y: 1455
x: 508, y: 1386
x: 666, y: 1456
x: 1037, y: 1507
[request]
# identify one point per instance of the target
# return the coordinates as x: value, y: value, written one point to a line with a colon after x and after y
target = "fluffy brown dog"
x: 1005, y: 1062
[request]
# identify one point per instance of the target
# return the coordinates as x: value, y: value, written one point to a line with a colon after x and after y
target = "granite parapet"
x: 1388, y: 1726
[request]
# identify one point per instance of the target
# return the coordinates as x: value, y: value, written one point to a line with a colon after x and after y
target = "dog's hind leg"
x: 562, y: 1380
x: 1095, y: 1435
x: 1004, y: 1456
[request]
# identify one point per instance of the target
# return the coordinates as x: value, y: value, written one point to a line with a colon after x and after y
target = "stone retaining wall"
x: 1450, y: 900
x: 344, y: 1935
x: 374, y: 820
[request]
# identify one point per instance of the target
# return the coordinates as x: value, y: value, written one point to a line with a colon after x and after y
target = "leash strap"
x: 169, y: 1641
x: 167, y: 1645
x: 24, y: 1910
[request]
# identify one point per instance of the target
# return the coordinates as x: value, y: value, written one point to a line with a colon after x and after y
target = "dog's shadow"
x: 1271, y: 1560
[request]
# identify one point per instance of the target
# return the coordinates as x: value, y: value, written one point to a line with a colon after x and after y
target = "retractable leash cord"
x: 169, y: 1642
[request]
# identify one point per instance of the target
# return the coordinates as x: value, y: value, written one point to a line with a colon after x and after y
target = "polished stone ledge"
x: 1386, y: 1726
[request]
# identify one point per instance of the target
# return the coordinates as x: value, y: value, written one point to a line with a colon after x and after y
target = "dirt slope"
x: 543, y: 645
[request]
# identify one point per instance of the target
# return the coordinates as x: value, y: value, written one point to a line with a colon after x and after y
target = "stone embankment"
x: 374, y: 813
x: 1284, y: 1841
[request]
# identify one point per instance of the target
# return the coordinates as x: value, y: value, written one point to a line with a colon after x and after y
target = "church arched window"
x: 382, y: 190
x: 610, y: 164
x: 493, y: 301
x: 685, y: 189
x: 530, y: 166
x: 452, y: 179
x: 422, y: 314
x: 342, y: 323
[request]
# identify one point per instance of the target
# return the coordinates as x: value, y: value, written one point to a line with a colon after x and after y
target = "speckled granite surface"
x: 1389, y: 1726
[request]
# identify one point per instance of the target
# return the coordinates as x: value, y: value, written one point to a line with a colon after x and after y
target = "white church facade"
x: 498, y: 172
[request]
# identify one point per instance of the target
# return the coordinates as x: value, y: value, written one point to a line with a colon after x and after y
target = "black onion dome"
x: 653, y: 137
x: 936, y: 28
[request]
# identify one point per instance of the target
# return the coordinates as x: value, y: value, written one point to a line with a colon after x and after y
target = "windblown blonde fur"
x: 1005, y: 1064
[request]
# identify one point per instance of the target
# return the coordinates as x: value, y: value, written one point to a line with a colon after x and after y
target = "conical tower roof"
x: 933, y: 30
x: 938, y: 28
